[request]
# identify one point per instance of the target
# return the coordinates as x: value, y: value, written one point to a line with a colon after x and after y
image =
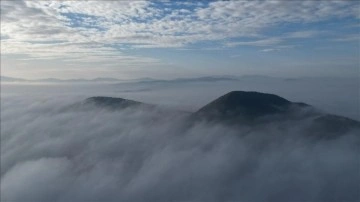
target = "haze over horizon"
x: 176, y: 39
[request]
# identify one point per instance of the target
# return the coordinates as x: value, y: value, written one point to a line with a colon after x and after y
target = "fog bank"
x: 48, y: 154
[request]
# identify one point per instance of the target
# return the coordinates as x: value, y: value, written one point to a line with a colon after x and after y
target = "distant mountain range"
x: 197, y: 79
x: 148, y: 80
x: 239, y: 108
x: 54, y: 80
x: 11, y: 79
x: 145, y: 80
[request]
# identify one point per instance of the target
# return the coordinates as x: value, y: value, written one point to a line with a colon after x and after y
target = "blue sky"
x: 170, y: 39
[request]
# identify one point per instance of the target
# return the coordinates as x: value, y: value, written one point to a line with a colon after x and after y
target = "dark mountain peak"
x: 111, y: 102
x: 251, y: 99
x: 246, y: 106
x: 333, y: 125
x: 106, y: 103
x: 253, y: 108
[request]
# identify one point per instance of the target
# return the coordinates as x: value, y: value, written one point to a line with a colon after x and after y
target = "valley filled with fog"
x: 51, y: 153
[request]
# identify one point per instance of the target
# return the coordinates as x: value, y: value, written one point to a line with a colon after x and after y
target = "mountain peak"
x: 110, y: 102
x: 246, y: 105
x: 252, y: 98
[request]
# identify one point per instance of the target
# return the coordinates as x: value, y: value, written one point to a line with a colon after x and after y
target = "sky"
x: 171, y: 39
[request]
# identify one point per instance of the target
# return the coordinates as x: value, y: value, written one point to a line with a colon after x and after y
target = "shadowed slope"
x: 109, y: 103
x: 246, y: 109
x: 246, y: 105
x: 254, y: 109
x: 330, y: 126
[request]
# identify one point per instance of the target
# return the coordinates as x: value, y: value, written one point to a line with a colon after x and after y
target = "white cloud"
x: 124, y: 21
x: 348, y: 38
x: 262, y: 42
x: 269, y: 50
x: 60, y: 29
x: 303, y: 34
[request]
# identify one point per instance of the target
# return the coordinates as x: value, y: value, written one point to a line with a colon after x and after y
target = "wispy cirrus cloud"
x: 262, y: 42
x: 303, y: 34
x: 348, y: 38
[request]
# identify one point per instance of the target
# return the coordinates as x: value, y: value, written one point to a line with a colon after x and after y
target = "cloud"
x: 262, y: 42
x: 157, y: 24
x: 278, y: 48
x: 45, y: 33
x: 271, y: 41
x: 269, y: 50
x: 48, y: 154
x: 348, y: 38
x: 117, y: 35
x: 303, y: 34
x: 44, y: 171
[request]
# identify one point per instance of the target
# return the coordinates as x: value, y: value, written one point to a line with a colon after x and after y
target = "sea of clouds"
x: 136, y: 154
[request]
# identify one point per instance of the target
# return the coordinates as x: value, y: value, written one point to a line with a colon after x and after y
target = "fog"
x: 135, y: 154
x: 333, y: 95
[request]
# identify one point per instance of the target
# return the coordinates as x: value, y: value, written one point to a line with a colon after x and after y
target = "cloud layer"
x: 83, y: 30
x: 48, y: 154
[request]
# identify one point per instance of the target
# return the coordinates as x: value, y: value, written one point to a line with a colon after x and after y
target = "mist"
x: 137, y: 154
x: 335, y: 95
